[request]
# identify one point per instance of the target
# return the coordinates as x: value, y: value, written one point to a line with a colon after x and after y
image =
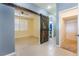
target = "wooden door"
x: 44, y: 21
x: 70, y: 32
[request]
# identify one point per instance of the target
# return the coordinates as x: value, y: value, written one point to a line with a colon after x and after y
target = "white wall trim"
x: 68, y: 9
x: 78, y: 33
x: 11, y: 54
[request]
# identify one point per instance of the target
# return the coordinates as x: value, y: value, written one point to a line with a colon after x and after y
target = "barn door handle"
x: 77, y: 35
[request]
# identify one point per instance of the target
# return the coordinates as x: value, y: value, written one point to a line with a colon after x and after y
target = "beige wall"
x: 33, y: 28
x: 36, y: 29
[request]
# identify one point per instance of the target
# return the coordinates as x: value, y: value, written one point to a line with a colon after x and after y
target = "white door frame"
x: 60, y: 17
x: 78, y: 33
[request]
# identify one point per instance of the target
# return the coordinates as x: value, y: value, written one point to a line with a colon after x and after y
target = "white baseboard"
x: 11, y: 54
x: 57, y: 45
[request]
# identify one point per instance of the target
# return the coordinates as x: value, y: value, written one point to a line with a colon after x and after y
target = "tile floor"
x: 29, y: 47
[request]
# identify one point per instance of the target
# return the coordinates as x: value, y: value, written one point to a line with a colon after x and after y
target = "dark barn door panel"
x: 44, y: 28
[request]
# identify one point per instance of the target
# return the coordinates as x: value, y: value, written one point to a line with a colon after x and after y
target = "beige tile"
x: 29, y: 47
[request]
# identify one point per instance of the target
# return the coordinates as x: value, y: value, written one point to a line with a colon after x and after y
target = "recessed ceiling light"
x: 48, y: 7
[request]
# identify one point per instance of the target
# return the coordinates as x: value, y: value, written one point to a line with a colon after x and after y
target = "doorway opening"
x: 68, y: 25
x: 27, y: 29
x: 69, y: 34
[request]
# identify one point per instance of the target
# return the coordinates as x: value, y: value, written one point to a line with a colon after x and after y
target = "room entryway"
x: 70, y: 34
x: 68, y: 29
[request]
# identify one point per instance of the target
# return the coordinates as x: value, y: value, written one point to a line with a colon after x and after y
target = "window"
x: 17, y: 24
x: 20, y: 24
x: 23, y: 25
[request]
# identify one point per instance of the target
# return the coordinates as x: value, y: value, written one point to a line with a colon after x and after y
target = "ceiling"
x: 51, y: 9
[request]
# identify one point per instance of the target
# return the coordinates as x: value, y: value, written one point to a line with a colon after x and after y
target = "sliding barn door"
x: 44, y: 28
